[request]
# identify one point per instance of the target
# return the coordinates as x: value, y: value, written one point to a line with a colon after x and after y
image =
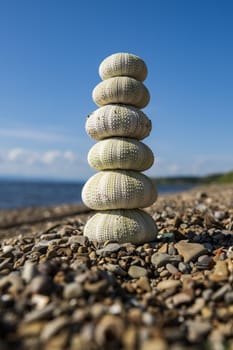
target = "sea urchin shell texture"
x: 120, y: 64
x: 118, y: 189
x: 133, y: 225
x: 118, y: 120
x: 120, y: 153
x: 121, y: 90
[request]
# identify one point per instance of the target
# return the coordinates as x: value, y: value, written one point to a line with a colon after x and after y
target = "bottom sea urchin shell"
x: 135, y: 226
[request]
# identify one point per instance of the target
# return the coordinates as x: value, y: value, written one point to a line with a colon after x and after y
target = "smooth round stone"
x: 167, y: 284
x: 161, y: 259
x: 172, y: 269
x: 190, y: 251
x: 108, y: 249
x: 137, y: 271
x: 72, y: 290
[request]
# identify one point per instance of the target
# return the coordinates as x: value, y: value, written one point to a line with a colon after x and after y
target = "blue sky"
x: 50, y: 54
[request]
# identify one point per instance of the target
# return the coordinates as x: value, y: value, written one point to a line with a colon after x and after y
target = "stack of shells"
x: 120, y: 188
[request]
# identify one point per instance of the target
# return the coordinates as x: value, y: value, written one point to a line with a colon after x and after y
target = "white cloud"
x: 15, y: 154
x: 197, y: 165
x: 55, y: 163
x: 50, y: 157
x: 67, y: 164
x: 69, y: 155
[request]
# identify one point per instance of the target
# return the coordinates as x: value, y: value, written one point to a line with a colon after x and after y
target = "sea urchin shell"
x: 134, y: 226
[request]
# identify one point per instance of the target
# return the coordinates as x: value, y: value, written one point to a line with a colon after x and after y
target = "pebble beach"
x: 60, y: 291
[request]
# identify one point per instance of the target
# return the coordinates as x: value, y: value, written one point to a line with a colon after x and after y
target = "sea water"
x: 22, y: 193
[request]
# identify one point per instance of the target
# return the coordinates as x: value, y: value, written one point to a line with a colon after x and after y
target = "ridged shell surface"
x: 120, y: 153
x: 118, y: 189
x: 121, y: 90
x: 135, y: 226
x: 118, y: 120
x: 123, y: 64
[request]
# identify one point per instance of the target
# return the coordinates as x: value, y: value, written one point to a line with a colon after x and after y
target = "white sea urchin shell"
x: 123, y: 64
x: 121, y: 90
x: 118, y: 189
x: 135, y: 226
x: 120, y: 153
x: 118, y: 120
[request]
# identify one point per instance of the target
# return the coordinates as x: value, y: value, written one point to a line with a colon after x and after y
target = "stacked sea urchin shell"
x: 119, y: 189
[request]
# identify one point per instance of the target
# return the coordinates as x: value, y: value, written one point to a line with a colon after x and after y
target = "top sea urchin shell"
x: 123, y: 64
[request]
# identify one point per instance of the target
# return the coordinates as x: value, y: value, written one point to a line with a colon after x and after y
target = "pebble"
x: 43, y: 314
x: 79, y: 239
x: 167, y: 284
x: 116, y: 269
x: 143, y: 283
x: 228, y: 297
x: 204, y: 262
x: 184, y: 268
x: 190, y: 251
x: 32, y: 329
x: 53, y: 327
x: 161, y: 259
x: 58, y: 290
x: 137, y: 271
x: 196, y: 307
x: 197, y: 330
x: 220, y: 272
x: 181, y: 298
x: 109, y: 326
x: 221, y: 292
x: 96, y: 287
x: 154, y: 344
x: 172, y: 269
x: 108, y: 249
x: 72, y: 290
x: 29, y: 271
x: 41, y: 285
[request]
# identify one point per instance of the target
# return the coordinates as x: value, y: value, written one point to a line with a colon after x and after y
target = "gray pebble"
x: 72, y: 290
x: 41, y: 284
x: 172, y: 250
x: 203, y: 262
x: 116, y: 269
x: 29, y: 271
x: 42, y: 314
x: 219, y: 215
x: 108, y: 249
x: 184, y: 268
x: 221, y: 291
x: 197, y: 330
x: 79, y: 239
x: 161, y: 259
x: 228, y: 297
x: 53, y: 327
x: 207, y: 294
